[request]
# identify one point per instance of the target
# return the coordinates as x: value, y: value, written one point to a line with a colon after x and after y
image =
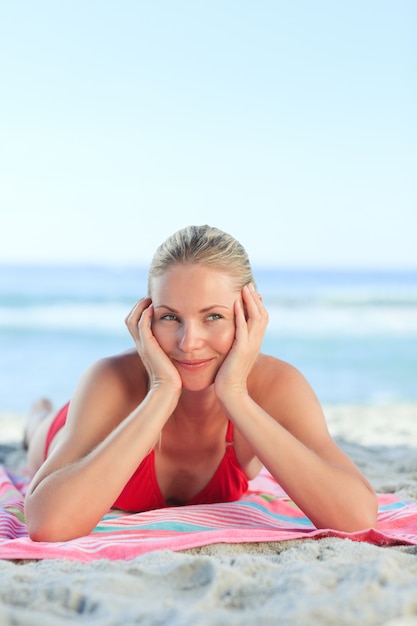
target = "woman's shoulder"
x: 124, y: 372
x: 271, y: 374
x: 284, y: 392
x: 268, y: 365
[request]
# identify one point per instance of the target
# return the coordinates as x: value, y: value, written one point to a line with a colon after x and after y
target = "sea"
x: 353, y: 334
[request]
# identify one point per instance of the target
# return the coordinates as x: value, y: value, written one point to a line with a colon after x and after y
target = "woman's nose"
x: 191, y: 337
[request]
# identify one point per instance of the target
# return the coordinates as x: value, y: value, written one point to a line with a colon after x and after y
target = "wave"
x: 300, y: 303
x: 91, y: 318
x: 343, y: 321
x: 302, y: 320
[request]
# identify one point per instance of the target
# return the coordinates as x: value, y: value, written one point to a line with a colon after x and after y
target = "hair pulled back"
x: 203, y: 245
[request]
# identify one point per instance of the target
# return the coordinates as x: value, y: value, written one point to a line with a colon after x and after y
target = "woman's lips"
x: 192, y: 365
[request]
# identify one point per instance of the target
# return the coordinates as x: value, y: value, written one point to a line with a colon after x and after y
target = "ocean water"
x: 352, y: 333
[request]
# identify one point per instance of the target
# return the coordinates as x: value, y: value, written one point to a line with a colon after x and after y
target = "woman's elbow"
x: 43, y: 528
x: 361, y: 517
x: 51, y: 533
x: 367, y: 515
x: 46, y: 526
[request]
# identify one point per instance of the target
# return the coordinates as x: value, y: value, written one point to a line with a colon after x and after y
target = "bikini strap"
x: 229, y: 434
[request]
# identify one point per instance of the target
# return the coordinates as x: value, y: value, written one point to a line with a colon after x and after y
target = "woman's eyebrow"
x: 164, y: 306
x: 207, y: 308
x: 214, y: 306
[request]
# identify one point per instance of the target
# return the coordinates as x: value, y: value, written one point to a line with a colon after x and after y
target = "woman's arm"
x: 302, y: 456
x: 283, y: 423
x: 109, y: 430
x: 99, y: 451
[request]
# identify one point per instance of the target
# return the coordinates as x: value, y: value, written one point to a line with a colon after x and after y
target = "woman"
x: 193, y: 412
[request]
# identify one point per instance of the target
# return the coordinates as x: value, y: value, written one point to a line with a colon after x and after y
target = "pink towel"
x: 265, y: 513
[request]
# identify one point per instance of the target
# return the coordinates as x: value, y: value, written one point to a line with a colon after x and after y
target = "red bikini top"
x: 142, y: 493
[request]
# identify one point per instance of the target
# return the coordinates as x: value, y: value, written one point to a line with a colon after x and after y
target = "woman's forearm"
x: 70, y: 500
x: 331, y: 496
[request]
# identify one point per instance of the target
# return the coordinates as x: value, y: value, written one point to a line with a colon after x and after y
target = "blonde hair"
x: 204, y: 245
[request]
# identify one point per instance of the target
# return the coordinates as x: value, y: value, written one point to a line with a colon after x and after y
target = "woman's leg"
x: 40, y: 419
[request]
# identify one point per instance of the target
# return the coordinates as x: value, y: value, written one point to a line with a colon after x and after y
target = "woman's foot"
x: 41, y: 408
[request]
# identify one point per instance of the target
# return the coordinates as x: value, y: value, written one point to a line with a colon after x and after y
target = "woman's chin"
x: 196, y: 384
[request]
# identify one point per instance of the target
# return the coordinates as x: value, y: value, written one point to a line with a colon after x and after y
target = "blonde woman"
x: 192, y: 412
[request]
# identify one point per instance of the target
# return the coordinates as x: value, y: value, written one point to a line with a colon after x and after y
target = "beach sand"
x: 325, y: 582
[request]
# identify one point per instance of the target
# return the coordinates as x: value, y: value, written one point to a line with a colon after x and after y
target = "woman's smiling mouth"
x: 192, y: 365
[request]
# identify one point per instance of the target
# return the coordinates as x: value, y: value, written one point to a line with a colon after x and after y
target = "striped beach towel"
x: 264, y: 514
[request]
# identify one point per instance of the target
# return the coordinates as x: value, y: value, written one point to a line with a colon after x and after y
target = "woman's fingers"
x: 255, y: 308
x: 133, y: 317
x: 138, y: 308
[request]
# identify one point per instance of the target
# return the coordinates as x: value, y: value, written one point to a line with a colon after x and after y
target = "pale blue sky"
x: 291, y: 125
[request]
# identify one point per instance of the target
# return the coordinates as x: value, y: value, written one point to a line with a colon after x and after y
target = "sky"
x: 291, y: 125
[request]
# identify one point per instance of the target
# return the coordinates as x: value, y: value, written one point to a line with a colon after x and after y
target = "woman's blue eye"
x: 171, y: 317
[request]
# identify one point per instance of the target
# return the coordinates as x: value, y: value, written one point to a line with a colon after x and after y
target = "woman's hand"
x: 232, y: 376
x: 160, y: 369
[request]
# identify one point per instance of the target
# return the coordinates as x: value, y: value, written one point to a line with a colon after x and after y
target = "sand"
x: 308, y: 582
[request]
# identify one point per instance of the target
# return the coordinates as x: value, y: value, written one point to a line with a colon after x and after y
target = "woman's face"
x: 194, y: 320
